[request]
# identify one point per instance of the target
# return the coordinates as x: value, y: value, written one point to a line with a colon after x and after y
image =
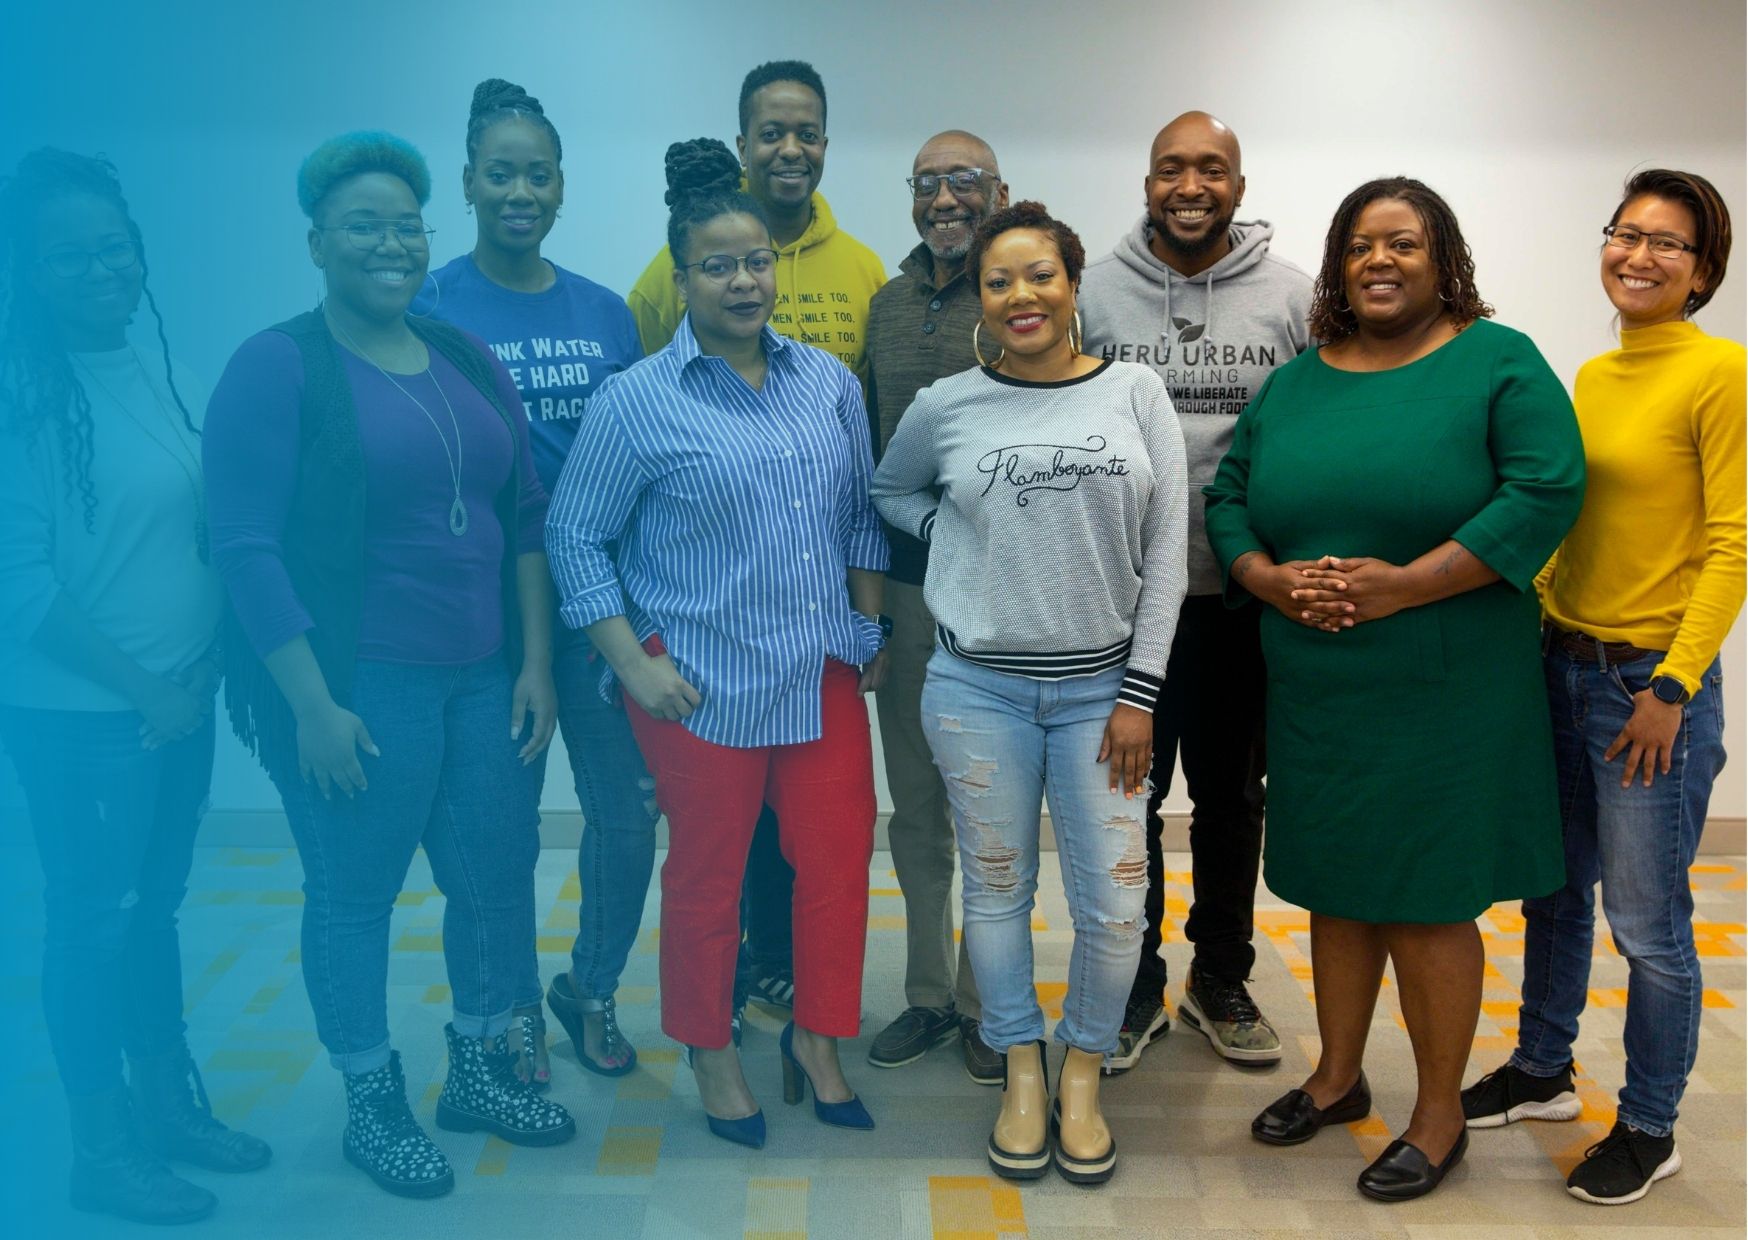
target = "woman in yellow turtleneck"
x: 1638, y: 601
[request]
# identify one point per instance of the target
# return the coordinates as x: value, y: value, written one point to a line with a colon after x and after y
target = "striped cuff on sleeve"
x: 927, y: 532
x: 1140, y: 690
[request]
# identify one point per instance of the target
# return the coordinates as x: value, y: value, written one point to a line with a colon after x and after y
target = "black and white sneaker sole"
x: 400, y: 1188
x: 1116, y: 1062
x: 1667, y: 1168
x: 945, y: 1036
x: 1190, y: 1013
x: 452, y: 1118
x: 1018, y: 1166
x: 1558, y: 1108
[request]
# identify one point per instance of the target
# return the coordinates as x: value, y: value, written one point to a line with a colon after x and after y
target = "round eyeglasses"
x: 722, y: 267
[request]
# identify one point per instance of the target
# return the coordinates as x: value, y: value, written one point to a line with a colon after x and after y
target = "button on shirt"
x: 737, y: 514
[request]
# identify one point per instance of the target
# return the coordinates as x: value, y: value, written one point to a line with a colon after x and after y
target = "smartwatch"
x: 1670, y: 690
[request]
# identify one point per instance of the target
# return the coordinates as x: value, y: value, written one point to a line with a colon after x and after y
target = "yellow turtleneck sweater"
x: 1658, y: 557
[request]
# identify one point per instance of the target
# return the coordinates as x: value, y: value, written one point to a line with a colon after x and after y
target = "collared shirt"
x: 737, y: 514
x: 917, y: 333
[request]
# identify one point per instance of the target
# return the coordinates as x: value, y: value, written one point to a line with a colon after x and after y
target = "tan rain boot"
x: 1086, y: 1153
x: 1019, y: 1148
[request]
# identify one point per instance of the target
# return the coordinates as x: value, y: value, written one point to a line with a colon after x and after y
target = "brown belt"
x: 1584, y: 646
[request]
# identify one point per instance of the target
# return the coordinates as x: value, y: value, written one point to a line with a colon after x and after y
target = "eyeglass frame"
x: 382, y: 229
x: 132, y: 248
x: 740, y: 264
x: 918, y: 193
x: 1610, y: 231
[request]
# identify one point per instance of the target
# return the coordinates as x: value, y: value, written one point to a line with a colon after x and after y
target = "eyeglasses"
x: 374, y: 234
x: 1662, y: 244
x: 962, y: 182
x: 70, y: 264
x: 722, y: 267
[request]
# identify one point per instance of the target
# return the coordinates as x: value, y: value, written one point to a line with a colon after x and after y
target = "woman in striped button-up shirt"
x: 731, y: 468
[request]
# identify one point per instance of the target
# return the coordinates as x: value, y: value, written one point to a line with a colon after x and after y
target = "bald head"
x: 947, y: 218
x: 1194, y: 184
x: 1199, y: 130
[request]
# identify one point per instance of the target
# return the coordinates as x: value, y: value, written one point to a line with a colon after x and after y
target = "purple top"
x: 428, y: 596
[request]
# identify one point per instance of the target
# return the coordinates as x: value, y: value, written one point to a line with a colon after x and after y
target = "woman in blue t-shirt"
x: 560, y: 335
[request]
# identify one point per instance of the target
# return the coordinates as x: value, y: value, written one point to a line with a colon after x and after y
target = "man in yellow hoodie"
x: 825, y: 277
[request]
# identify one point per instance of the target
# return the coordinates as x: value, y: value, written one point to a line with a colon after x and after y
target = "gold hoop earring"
x: 977, y: 347
x: 1075, y: 336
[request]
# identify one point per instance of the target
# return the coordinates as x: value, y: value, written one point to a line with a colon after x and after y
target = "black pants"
x: 1212, y: 710
x: 767, y: 909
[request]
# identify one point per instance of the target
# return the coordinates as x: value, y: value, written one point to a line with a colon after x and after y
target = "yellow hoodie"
x: 825, y: 279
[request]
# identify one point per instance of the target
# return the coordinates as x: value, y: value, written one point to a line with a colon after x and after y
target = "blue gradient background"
x: 1526, y: 116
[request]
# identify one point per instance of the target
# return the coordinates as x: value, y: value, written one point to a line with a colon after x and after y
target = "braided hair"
x: 1333, y: 319
x: 496, y: 100
x: 703, y: 183
x: 38, y: 385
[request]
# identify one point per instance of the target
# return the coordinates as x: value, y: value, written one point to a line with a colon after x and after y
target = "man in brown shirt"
x: 919, y: 330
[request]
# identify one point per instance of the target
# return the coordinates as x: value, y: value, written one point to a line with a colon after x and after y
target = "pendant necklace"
x: 457, y: 510
x: 187, y: 460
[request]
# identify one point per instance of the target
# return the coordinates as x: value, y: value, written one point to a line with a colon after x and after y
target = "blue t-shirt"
x: 557, y: 345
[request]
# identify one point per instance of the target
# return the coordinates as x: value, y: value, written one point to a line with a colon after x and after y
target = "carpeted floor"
x: 644, y: 1166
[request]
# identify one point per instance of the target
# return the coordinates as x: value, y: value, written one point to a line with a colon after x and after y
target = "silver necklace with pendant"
x: 457, y: 510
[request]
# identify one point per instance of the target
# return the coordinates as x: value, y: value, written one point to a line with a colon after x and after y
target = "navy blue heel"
x: 851, y: 1114
x: 748, y: 1130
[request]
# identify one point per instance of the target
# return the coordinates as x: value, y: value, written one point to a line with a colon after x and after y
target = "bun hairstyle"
x: 38, y: 385
x: 703, y: 183
x: 496, y: 100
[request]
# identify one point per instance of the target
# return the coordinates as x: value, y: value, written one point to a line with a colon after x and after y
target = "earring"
x: 1448, y: 300
x: 1075, y: 335
x: 470, y: 208
x: 977, y: 347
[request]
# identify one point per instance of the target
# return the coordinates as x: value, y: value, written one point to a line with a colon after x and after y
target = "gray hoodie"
x: 1213, y: 351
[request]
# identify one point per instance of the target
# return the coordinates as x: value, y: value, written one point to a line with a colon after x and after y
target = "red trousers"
x: 823, y: 794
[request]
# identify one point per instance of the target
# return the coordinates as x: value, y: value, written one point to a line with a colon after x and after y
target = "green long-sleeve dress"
x: 1411, y: 766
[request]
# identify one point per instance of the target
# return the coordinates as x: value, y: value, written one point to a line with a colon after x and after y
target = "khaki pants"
x: 921, y: 829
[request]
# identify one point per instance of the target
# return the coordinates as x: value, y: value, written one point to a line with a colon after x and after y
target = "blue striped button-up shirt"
x: 736, y: 513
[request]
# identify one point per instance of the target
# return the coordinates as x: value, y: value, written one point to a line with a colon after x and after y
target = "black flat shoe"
x: 1294, y: 1118
x: 1402, y: 1172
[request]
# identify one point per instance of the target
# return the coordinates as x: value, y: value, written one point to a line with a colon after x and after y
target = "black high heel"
x: 851, y: 1114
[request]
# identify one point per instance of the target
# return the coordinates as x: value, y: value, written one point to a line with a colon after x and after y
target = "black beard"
x: 1192, y: 249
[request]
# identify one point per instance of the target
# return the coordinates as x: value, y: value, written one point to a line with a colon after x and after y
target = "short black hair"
x: 1711, y: 221
x: 1028, y: 215
x: 703, y: 183
x: 1333, y: 319
x: 798, y: 71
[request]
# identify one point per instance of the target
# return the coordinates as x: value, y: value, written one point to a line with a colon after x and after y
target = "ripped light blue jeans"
x: 1004, y: 744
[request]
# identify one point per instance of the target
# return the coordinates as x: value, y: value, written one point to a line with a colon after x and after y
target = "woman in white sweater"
x: 1051, y: 487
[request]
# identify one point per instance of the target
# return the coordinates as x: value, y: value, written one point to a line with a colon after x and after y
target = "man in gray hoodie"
x: 1198, y: 297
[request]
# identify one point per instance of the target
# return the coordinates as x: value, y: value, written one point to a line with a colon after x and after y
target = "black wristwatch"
x: 1670, y: 690
x: 885, y: 626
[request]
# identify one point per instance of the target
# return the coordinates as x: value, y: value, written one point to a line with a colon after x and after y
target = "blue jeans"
x: 449, y: 779
x: 114, y: 825
x: 1004, y: 743
x: 1638, y: 842
x: 617, y: 795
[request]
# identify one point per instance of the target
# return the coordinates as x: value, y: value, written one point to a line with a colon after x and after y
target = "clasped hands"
x: 1335, y: 592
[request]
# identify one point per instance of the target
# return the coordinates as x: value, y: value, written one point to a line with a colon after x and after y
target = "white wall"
x: 1526, y: 116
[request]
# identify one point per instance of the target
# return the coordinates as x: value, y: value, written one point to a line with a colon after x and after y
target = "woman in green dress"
x: 1391, y: 496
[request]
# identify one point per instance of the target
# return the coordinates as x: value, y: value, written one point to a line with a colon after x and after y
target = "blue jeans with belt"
x: 617, y: 852
x: 1638, y: 842
x: 1004, y: 744
x: 449, y: 779
x: 115, y: 826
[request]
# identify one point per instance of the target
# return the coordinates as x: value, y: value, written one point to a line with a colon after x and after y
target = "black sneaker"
x: 1228, y: 1017
x: 916, y: 1032
x: 1143, y: 1021
x: 775, y: 989
x: 1509, y: 1094
x: 1622, y: 1166
x: 983, y: 1064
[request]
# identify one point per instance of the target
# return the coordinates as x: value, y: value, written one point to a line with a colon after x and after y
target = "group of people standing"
x: 1070, y: 521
